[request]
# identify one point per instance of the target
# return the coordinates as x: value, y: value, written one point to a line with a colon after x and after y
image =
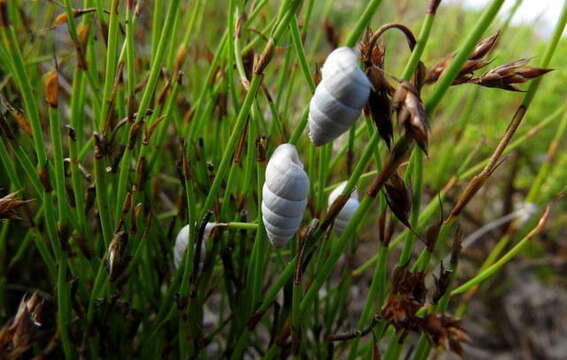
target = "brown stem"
x: 479, y: 180
x: 355, y: 333
x: 410, y: 37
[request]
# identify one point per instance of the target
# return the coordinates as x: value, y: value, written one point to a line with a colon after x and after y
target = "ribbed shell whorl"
x: 348, y: 210
x: 284, y: 195
x: 339, y: 97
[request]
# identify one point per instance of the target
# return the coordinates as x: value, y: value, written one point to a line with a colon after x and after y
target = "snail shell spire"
x: 339, y: 97
x: 284, y: 195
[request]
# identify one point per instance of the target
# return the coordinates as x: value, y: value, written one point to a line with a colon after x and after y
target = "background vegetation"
x: 123, y: 121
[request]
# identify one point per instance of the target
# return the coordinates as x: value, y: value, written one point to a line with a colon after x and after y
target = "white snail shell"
x: 182, y: 240
x: 348, y: 210
x: 284, y: 195
x: 339, y: 97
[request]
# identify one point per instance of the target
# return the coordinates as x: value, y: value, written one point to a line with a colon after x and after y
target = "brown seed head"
x: 16, y: 336
x: 475, y: 62
x: 409, y: 283
x: 116, y: 254
x: 485, y: 46
x: 411, y: 113
x: 504, y: 76
x: 434, y: 72
x: 377, y: 56
x: 399, y: 311
x: 371, y: 54
x: 9, y: 205
x: 445, y: 331
x: 51, y: 87
x: 466, y: 73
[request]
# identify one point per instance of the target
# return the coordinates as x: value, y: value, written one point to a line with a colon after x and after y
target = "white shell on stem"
x: 284, y: 195
x: 339, y: 97
x: 348, y: 210
x: 182, y: 240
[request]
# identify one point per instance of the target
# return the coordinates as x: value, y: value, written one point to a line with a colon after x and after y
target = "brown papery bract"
x: 504, y: 76
x: 475, y: 62
x: 379, y: 103
x: 9, y: 205
x: 411, y: 113
x: 399, y: 198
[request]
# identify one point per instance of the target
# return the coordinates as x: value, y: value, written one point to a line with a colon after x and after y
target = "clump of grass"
x: 122, y: 122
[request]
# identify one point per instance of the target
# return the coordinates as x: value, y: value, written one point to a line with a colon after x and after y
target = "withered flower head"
x: 411, y: 113
x: 8, y: 206
x: 117, y: 254
x: 399, y: 198
x: 485, y: 46
x: 504, y: 76
x: 371, y: 54
x: 470, y: 66
x: 445, y: 331
x: 399, y: 311
x: 16, y: 334
x: 434, y: 72
x: 410, y: 284
x: 475, y: 62
x: 407, y: 297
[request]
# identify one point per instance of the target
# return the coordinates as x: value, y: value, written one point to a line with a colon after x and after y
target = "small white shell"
x: 182, y: 240
x: 347, y: 211
x: 339, y: 97
x: 284, y: 195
